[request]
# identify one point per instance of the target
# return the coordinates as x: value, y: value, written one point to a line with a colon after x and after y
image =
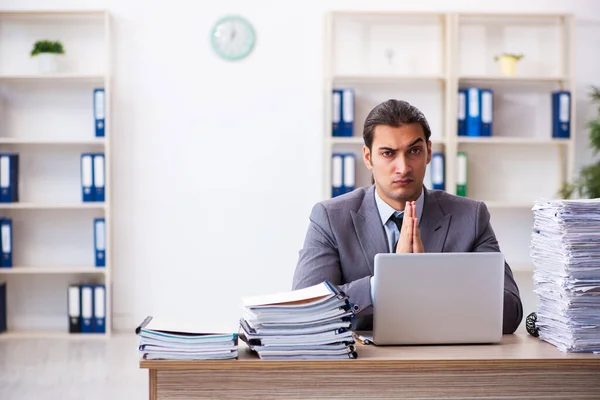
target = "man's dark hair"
x: 393, y: 113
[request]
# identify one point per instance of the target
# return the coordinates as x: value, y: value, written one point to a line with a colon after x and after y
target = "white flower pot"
x: 48, y: 62
x: 508, y: 65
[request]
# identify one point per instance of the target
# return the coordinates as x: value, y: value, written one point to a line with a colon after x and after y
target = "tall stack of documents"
x: 162, y: 339
x: 310, y: 323
x: 565, y: 249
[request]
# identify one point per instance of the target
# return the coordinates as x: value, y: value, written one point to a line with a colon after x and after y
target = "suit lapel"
x: 434, y: 225
x: 369, y: 229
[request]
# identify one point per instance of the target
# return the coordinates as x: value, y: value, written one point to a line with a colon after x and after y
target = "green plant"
x: 511, y: 55
x: 587, y: 184
x: 47, y: 46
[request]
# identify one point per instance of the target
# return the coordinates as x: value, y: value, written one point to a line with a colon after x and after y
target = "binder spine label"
x: 563, y: 114
x: 486, y: 107
x: 348, y: 108
x: 4, y: 172
x: 337, y: 108
x: 349, y: 172
x: 462, y: 169
x: 336, y: 177
x: 6, y: 238
x: 473, y: 102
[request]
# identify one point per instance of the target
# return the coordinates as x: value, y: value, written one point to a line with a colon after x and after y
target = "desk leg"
x: 152, y: 388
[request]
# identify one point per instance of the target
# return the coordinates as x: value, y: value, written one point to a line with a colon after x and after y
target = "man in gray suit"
x: 396, y: 214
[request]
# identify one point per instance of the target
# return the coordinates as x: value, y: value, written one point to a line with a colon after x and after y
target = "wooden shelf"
x: 520, y: 79
x: 59, y: 142
x: 51, y: 334
x: 41, y: 13
x: 359, y: 140
x: 58, y: 206
x: 386, y: 78
x: 511, y: 140
x: 509, y: 204
x: 53, y: 77
x: 52, y: 270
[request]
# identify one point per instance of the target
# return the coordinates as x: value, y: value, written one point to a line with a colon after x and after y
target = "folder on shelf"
x: 100, y: 241
x: 462, y: 112
x: 6, y: 242
x: 347, y: 112
x: 99, y: 175
x: 349, y: 173
x: 438, y: 171
x: 3, y: 306
x: 87, y: 308
x: 474, y: 112
x: 561, y: 114
x: 87, y: 177
x: 427, y: 181
x: 336, y: 174
x: 74, y: 308
x: 336, y: 112
x: 461, y: 178
x: 487, y: 110
x: 99, y: 321
x: 99, y: 111
x: 9, y: 177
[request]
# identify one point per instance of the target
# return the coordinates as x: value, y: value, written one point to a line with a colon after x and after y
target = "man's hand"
x: 417, y: 243
x: 405, y: 241
x: 410, y: 237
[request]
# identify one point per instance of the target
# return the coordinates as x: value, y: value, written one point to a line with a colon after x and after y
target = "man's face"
x: 398, y: 160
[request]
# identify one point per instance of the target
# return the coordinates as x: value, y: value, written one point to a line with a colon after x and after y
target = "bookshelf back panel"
x: 59, y: 238
x: 539, y: 40
x: 82, y: 37
x: 39, y: 302
x: 48, y: 110
x: 511, y: 173
x: 389, y: 45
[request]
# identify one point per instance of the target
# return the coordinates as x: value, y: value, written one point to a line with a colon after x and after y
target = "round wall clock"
x: 232, y: 37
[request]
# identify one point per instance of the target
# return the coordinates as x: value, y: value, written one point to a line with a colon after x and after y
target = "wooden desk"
x: 521, y: 367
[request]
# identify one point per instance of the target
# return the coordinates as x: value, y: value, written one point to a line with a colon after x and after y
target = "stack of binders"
x: 310, y: 323
x: 475, y: 112
x: 183, y: 340
x: 565, y: 249
x: 343, y: 173
x: 87, y: 308
x: 92, y: 177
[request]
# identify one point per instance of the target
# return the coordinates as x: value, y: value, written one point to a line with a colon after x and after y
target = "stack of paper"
x: 310, y: 323
x: 162, y: 339
x: 565, y: 249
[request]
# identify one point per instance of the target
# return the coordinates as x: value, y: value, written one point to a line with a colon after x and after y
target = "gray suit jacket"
x: 346, y: 232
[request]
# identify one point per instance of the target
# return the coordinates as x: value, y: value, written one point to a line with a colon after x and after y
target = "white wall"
x: 217, y: 165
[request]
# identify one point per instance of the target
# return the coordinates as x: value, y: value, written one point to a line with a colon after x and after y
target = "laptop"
x: 438, y: 298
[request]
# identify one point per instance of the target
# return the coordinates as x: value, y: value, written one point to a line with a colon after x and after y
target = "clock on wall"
x: 232, y: 37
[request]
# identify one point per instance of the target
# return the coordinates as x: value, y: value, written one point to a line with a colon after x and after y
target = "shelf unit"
x: 425, y: 58
x: 48, y: 119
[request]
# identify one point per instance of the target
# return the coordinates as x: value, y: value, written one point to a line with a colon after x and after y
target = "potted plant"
x: 508, y: 62
x: 587, y: 184
x: 47, y: 53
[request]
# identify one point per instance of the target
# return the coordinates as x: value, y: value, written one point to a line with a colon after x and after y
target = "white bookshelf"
x: 435, y: 54
x: 44, y: 270
x: 48, y: 119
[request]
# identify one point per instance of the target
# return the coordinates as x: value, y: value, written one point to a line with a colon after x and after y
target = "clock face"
x: 233, y: 37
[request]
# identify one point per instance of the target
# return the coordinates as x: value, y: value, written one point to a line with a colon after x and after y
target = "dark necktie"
x: 398, y: 221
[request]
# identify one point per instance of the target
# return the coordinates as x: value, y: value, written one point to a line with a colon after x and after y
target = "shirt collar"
x: 386, y: 211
